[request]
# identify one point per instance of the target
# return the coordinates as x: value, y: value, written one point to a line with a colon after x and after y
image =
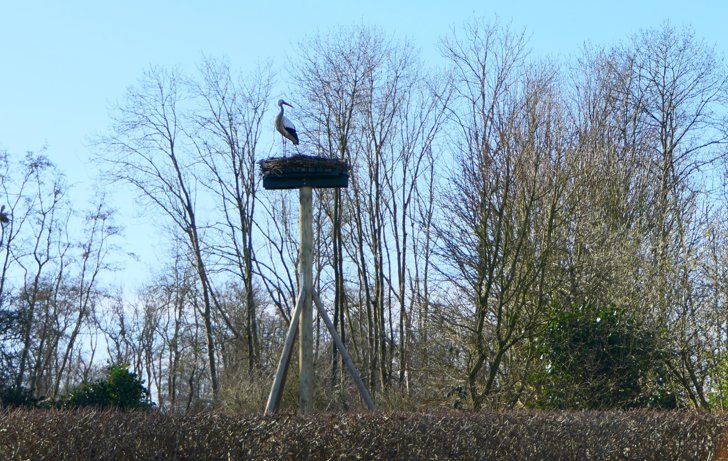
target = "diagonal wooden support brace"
x: 344, y: 353
x: 276, y: 391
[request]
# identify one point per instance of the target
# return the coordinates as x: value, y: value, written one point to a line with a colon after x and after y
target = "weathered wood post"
x: 305, y: 323
x: 305, y: 173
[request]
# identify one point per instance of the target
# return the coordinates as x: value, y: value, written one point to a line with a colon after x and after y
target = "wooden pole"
x: 344, y: 354
x: 276, y: 391
x: 305, y: 325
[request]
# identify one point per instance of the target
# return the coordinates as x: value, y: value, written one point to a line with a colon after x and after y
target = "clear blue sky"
x: 64, y: 63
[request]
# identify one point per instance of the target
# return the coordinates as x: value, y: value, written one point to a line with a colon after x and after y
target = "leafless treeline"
x: 49, y: 285
x: 487, y: 200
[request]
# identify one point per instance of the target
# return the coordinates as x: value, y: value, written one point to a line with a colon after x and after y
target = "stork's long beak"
x: 286, y: 104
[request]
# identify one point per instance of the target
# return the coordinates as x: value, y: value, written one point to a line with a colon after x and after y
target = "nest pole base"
x: 305, y: 173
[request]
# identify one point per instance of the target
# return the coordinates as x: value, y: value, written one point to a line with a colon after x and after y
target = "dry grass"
x: 89, y: 434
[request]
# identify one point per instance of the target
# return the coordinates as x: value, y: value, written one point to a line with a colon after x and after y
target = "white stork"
x: 285, y: 127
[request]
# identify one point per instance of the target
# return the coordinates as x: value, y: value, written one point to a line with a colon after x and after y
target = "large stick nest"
x: 302, y: 164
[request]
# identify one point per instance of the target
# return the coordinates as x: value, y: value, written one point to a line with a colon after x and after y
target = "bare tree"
x: 501, y: 211
x: 410, y: 180
x: 150, y: 149
x: 47, y: 218
x: 84, y: 288
x: 682, y: 87
x: 49, y: 280
x: 366, y: 102
x: 230, y: 126
x: 332, y: 75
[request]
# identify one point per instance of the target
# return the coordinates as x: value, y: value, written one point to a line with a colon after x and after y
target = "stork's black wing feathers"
x: 292, y: 132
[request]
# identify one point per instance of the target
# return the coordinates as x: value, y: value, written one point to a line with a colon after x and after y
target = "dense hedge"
x: 117, y: 435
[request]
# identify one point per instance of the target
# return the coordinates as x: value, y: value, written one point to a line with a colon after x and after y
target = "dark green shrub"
x: 122, y: 389
x: 598, y: 357
x: 10, y: 396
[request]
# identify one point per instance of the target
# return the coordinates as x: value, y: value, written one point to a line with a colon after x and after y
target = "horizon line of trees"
x: 516, y: 232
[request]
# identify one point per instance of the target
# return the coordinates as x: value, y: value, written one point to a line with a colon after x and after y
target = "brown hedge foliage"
x: 117, y: 435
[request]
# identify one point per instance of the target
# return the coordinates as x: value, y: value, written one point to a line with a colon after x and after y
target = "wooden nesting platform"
x: 304, y: 171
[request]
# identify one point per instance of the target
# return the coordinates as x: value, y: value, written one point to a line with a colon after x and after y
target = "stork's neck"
x: 281, y: 106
